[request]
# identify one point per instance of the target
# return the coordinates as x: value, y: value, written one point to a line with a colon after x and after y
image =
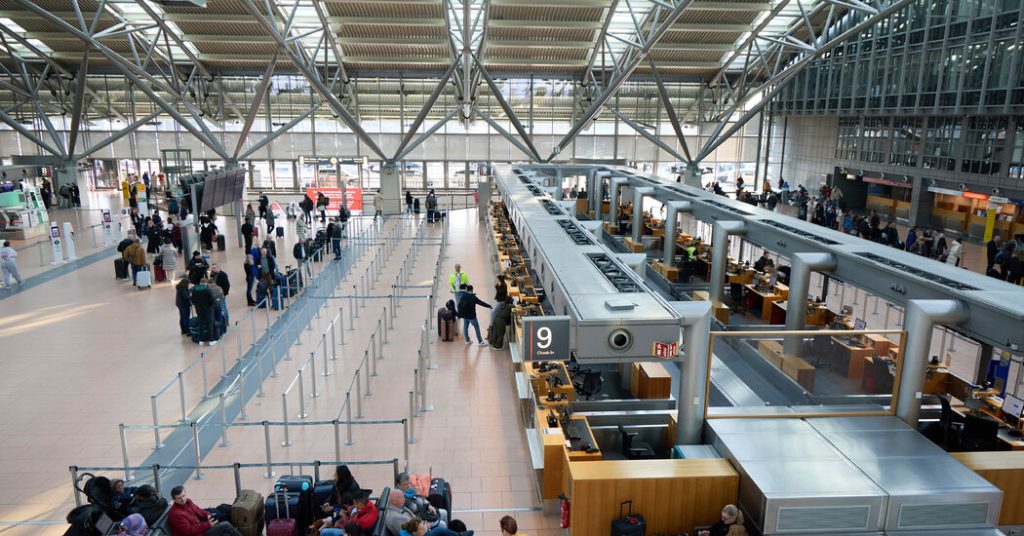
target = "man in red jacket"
x: 188, y: 519
x: 366, y: 513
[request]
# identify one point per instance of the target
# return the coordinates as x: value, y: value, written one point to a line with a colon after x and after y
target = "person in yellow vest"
x: 456, y: 281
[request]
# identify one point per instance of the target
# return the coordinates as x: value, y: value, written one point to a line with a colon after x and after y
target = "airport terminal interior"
x: 512, y: 267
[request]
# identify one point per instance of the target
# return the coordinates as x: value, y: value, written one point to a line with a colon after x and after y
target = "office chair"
x: 952, y: 424
x: 591, y: 384
x: 980, y: 433
x: 634, y: 450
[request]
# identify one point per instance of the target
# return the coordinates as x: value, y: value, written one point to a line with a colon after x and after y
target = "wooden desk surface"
x: 651, y: 469
x: 991, y: 460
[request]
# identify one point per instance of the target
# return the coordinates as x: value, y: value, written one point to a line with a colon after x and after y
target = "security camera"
x: 963, y: 186
x: 620, y: 340
x: 996, y: 191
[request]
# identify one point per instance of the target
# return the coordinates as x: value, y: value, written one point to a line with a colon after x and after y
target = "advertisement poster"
x: 353, y: 198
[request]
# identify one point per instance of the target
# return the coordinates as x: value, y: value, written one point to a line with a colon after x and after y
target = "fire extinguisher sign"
x: 666, y: 350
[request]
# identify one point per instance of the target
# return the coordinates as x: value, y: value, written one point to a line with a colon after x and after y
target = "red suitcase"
x: 159, y: 273
x: 282, y: 526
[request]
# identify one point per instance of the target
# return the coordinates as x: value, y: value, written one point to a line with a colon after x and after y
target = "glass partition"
x: 804, y: 373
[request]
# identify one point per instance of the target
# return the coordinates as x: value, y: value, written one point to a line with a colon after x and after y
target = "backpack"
x: 123, y: 245
x: 344, y: 213
x: 298, y: 252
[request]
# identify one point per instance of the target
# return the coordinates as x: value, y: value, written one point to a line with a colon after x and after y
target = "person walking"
x: 378, y: 205
x: 301, y: 228
x: 270, y: 222
x: 264, y: 205
x: 183, y: 301
x: 467, y: 312
x: 456, y: 280
x: 8, y: 264
x: 307, y: 209
x: 169, y: 257
x: 135, y: 255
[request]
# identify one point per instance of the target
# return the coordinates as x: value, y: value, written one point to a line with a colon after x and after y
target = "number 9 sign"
x: 546, y: 338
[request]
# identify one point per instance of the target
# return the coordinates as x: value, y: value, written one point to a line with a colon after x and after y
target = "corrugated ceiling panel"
x: 553, y: 12
x: 563, y: 53
x: 213, y: 7
x: 389, y: 10
x: 418, y: 51
x: 214, y: 28
x: 686, y: 55
x: 540, y: 34
x: 261, y: 51
x: 718, y: 17
x: 396, y: 31
x: 718, y: 38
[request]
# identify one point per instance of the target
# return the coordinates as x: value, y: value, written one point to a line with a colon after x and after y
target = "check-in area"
x: 688, y: 351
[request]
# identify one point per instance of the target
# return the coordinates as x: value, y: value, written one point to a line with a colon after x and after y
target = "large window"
x: 941, y: 137
x: 876, y: 139
x: 983, y: 144
x: 1017, y: 156
x: 435, y: 175
x: 849, y: 138
x: 906, y: 141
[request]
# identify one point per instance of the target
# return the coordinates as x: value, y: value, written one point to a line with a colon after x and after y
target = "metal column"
x: 720, y: 254
x: 919, y: 322
x: 799, y: 286
x: 638, y: 213
x: 613, y: 198
x: 692, y: 396
x: 671, y: 225
x: 594, y: 196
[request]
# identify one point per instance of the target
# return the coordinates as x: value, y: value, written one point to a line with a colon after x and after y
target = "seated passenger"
x: 133, y: 525
x: 186, y: 518
x: 339, y: 513
x: 731, y: 524
x: 398, y: 513
x: 419, y: 505
x: 508, y: 524
x: 147, y: 503
x: 366, y: 513
x: 122, y: 497
x: 418, y: 527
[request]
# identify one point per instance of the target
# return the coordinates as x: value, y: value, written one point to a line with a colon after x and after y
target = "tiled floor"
x: 83, y: 353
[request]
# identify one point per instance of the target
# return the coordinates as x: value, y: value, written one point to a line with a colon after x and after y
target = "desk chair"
x: 591, y: 384
x: 952, y: 424
x: 980, y: 433
x: 634, y: 450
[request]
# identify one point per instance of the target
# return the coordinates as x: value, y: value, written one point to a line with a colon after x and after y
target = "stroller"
x: 97, y: 516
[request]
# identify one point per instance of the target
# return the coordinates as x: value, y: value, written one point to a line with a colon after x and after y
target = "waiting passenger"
x: 148, y: 504
x: 197, y: 267
x: 203, y: 301
x: 183, y: 301
x: 122, y: 497
x: 508, y: 524
x: 366, y: 513
x: 418, y: 527
x: 467, y: 312
x: 419, y: 505
x: 398, y: 513
x: 188, y: 519
x: 731, y: 524
x: 499, y: 323
x: 133, y: 525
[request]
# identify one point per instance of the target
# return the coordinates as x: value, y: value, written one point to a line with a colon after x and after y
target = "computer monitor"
x: 1013, y: 406
x: 859, y: 324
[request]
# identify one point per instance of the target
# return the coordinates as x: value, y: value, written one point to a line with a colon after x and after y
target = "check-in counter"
x: 559, y: 450
x: 1005, y: 470
x: 674, y: 496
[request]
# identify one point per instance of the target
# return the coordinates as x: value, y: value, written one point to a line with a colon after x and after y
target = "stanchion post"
x: 359, y: 397
x: 156, y: 423
x: 202, y: 366
x: 341, y: 324
x: 181, y: 395
x: 241, y: 394
x: 284, y: 414
x: 312, y: 375
x: 302, y: 396
x: 266, y: 440
x: 412, y: 416
x: 348, y: 420
x: 337, y: 439
x: 223, y: 421
x: 197, y: 449
x: 405, y: 443
x: 323, y: 343
x: 124, y: 453
x: 237, y: 470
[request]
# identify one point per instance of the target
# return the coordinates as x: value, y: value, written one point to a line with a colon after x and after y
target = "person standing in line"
x: 321, y: 205
x: 992, y: 248
x: 378, y: 205
x: 408, y: 202
x: 270, y: 222
x: 203, y: 301
x: 456, y: 280
x: 301, y: 228
x: 183, y: 301
x: 250, y: 279
x: 169, y: 257
x: 246, y: 231
x: 467, y: 312
x: 956, y: 252
x: 8, y: 264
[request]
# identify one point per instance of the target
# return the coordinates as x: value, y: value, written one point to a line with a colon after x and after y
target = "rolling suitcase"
x: 120, y: 269
x: 221, y: 243
x: 159, y: 274
x: 247, y: 513
x: 282, y: 526
x: 323, y: 492
x: 144, y: 279
x: 196, y: 329
x: 440, y: 496
x: 445, y: 328
x: 303, y: 486
x: 630, y: 524
x: 280, y: 232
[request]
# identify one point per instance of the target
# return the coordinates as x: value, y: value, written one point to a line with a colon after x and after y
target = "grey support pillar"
x: 594, y: 194
x: 919, y: 322
x: 691, y: 397
x: 390, y: 188
x: 613, y: 198
x: 803, y: 264
x: 638, y: 213
x: 483, y: 188
x: 671, y: 225
x: 720, y: 234
x: 560, y: 190
x: 691, y: 177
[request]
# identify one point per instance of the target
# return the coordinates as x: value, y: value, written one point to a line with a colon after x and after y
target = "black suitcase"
x: 120, y: 269
x: 287, y: 503
x: 440, y: 496
x: 630, y: 524
x: 300, y: 484
x: 323, y: 493
x: 280, y: 232
x: 221, y: 244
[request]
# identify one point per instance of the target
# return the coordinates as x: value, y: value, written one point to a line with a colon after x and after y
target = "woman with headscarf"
x: 133, y: 525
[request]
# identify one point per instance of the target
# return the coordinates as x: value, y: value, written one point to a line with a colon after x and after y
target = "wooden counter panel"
x: 1005, y: 470
x: 672, y: 495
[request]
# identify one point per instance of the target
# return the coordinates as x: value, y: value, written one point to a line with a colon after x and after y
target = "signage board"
x: 353, y: 198
x: 545, y: 338
x: 665, y: 350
